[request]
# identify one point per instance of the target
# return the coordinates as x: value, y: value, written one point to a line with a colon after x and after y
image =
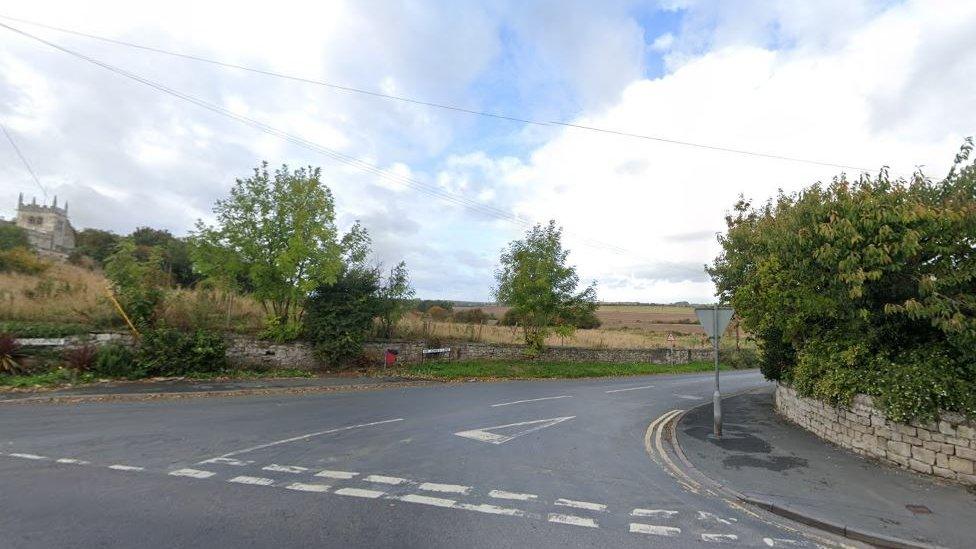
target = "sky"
x: 860, y: 84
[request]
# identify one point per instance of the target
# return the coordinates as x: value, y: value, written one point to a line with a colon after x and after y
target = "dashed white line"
x: 654, y: 530
x: 530, y: 400
x: 74, y: 461
x: 426, y: 500
x: 705, y: 515
x: 720, y: 538
x: 192, y: 473
x: 385, y: 480
x: 490, y: 509
x: 630, y: 389
x: 581, y: 504
x: 450, y: 488
x: 227, y: 461
x: 346, y: 475
x: 502, y: 494
x: 779, y: 542
x: 309, y: 435
x: 574, y: 520
x: 119, y: 467
x: 257, y: 481
x: 285, y: 468
x: 359, y: 493
x: 27, y: 456
x: 303, y: 487
x: 657, y: 513
x: 689, y: 397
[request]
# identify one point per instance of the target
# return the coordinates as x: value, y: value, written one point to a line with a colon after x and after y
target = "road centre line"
x: 449, y: 488
x: 308, y: 436
x: 574, y: 520
x: 561, y: 502
x: 638, y: 528
x: 502, y: 494
x: 74, y: 461
x: 530, y: 400
x: 28, y: 456
x: 344, y: 475
x: 630, y: 389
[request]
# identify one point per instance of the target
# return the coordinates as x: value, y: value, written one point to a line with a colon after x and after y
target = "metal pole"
x: 717, y: 396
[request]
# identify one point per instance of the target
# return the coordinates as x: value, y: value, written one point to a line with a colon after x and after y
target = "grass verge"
x: 520, y: 369
x: 61, y: 377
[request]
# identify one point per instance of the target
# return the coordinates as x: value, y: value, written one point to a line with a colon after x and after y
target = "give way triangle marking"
x: 500, y: 434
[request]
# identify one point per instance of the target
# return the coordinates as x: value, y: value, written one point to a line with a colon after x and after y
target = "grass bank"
x: 61, y: 377
x: 520, y: 369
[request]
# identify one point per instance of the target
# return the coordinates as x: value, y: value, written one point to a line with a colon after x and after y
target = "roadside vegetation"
x: 865, y: 286
x: 528, y: 369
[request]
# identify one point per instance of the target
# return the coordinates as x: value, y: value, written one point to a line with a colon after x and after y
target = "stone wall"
x: 944, y: 448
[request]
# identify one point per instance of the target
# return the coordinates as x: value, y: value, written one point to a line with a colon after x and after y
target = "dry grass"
x: 62, y: 293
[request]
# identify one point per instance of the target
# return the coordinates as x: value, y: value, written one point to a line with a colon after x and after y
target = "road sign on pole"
x: 715, y: 320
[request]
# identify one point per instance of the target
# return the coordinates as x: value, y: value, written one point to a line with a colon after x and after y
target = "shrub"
x: 12, y: 236
x: 473, y: 316
x: 21, y: 260
x: 436, y: 312
x: 863, y: 287
x: 116, y: 360
x: 170, y: 352
x: 79, y: 359
x: 9, y: 353
x: 339, y: 316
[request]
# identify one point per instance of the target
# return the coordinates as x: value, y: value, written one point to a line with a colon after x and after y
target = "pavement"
x: 766, y: 458
x: 508, y: 464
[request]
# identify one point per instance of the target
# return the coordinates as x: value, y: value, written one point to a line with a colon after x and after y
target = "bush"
x: 12, y: 236
x: 9, y: 353
x: 116, y: 360
x: 473, y: 316
x: 436, y: 312
x: 170, y: 352
x: 862, y: 287
x: 339, y: 316
x: 79, y: 359
x: 22, y: 260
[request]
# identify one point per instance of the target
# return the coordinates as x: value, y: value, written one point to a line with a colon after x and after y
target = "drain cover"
x: 918, y: 509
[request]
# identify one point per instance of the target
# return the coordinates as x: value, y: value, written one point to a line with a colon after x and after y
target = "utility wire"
x: 414, y: 184
x: 24, y: 160
x: 550, y: 123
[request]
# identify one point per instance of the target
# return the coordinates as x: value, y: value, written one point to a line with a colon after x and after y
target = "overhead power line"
x: 550, y: 123
x: 24, y: 160
x: 414, y: 184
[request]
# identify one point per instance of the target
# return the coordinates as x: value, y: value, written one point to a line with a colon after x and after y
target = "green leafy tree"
x: 138, y: 282
x: 862, y: 287
x: 12, y: 236
x: 339, y: 316
x: 538, y: 285
x: 96, y: 244
x: 175, y: 253
x: 275, y: 236
x: 395, y: 295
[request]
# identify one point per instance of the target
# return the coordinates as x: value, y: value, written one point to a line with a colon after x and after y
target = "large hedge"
x: 863, y: 287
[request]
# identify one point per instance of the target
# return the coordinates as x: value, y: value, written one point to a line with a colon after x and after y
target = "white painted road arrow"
x: 510, y: 431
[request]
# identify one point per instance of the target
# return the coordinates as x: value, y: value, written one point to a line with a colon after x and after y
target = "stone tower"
x: 47, y: 227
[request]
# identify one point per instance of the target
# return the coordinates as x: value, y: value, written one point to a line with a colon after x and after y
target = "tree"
x: 339, y: 316
x: 138, y: 282
x: 862, y: 287
x: 540, y: 287
x: 275, y: 235
x: 175, y: 253
x: 12, y: 236
x: 96, y: 244
x: 394, y: 295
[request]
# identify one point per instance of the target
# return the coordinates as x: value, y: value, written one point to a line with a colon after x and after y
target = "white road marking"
x: 302, y: 487
x: 308, y: 436
x: 227, y: 461
x: 638, y: 528
x: 126, y: 468
x: 74, y: 461
x: 719, y: 538
x: 501, y: 494
x: 426, y: 500
x: 630, y: 389
x: 359, y: 493
x: 257, y: 481
x: 705, y: 515
x: 530, y: 400
x: 689, y: 397
x: 779, y: 542
x: 661, y: 513
x: 27, y: 456
x: 336, y: 474
x: 490, y: 509
x: 581, y: 504
x: 385, y: 480
x: 451, y: 488
x: 484, y: 434
x: 570, y: 519
x: 285, y: 468
x: 192, y: 473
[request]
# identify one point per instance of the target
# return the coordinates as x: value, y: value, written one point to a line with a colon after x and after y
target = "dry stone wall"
x: 945, y: 448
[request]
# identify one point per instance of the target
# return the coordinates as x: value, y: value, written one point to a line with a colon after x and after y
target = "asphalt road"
x: 515, y: 464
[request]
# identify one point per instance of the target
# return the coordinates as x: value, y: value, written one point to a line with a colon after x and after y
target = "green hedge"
x: 863, y: 287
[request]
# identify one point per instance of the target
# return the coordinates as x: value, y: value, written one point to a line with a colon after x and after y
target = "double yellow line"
x: 654, y: 444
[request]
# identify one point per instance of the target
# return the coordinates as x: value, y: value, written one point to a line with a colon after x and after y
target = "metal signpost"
x: 715, y: 320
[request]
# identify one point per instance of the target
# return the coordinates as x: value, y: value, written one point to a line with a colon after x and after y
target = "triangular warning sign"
x: 500, y: 434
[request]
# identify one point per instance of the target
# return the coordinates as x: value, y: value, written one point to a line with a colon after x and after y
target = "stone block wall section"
x: 945, y: 448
